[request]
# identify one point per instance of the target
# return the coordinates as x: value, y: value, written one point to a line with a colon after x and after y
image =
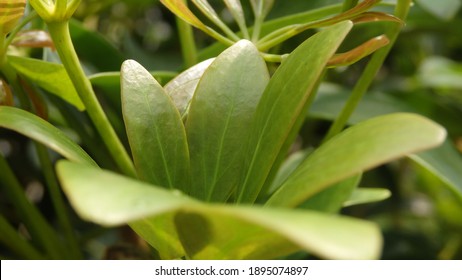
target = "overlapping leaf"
x: 39, y: 130
x: 283, y: 102
x: 208, y: 231
x: 154, y: 128
x: 369, y: 143
x: 219, y: 119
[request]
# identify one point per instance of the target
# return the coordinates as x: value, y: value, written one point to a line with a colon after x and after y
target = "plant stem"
x: 188, y: 46
x: 58, y: 201
x: 33, y: 219
x: 59, y: 31
x: 348, y: 4
x: 10, y: 238
x: 372, y: 68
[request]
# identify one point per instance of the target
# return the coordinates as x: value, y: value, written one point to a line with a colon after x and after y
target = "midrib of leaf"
x: 157, y: 137
x: 220, y: 151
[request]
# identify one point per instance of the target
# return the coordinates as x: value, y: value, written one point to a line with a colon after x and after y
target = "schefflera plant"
x: 204, y: 168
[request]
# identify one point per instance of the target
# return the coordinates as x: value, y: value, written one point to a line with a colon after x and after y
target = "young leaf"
x: 11, y: 12
x: 219, y: 118
x: 235, y: 8
x: 154, y: 128
x: 358, y: 53
x: 51, y: 77
x: 261, y: 8
x: 282, y: 103
x: 39, y: 130
x: 361, y: 147
x: 209, y: 231
x: 367, y: 195
x: 181, y: 89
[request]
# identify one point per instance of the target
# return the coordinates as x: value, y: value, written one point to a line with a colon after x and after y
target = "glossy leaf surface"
x: 282, y: 103
x: 51, y: 77
x: 210, y: 231
x: 155, y: 131
x: 219, y: 119
x: 39, y: 130
x: 361, y: 147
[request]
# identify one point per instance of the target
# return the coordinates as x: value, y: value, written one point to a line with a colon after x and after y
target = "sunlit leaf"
x: 155, y: 131
x: 370, y: 143
x: 211, y: 231
x: 11, y: 12
x: 367, y: 195
x: 181, y: 89
x: 50, y: 76
x: 218, y: 123
x: 358, y: 53
x: 282, y: 103
x: 39, y: 130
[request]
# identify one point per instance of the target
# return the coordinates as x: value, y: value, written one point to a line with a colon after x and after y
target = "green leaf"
x: 181, y: 89
x: 361, y: 147
x: 51, y: 77
x: 332, y: 198
x: 446, y: 163
x: 211, y: 231
x: 154, y: 128
x: 39, y: 130
x: 219, y: 119
x: 367, y: 195
x: 443, y: 9
x: 282, y: 103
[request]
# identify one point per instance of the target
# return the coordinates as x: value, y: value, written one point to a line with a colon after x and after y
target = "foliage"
x: 206, y: 164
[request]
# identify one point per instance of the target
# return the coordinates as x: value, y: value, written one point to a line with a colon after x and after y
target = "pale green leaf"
x: 39, y: 130
x: 359, y: 148
x: 51, y: 77
x: 181, y: 89
x: 283, y: 102
x: 211, y: 231
x: 155, y: 131
x: 367, y: 195
x: 219, y: 119
x: 235, y: 8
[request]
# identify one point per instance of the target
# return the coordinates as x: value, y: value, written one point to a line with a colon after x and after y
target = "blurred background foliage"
x: 423, y: 74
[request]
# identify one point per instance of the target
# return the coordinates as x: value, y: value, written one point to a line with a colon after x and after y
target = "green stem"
x: 372, y: 68
x: 58, y: 201
x: 188, y: 46
x: 348, y: 4
x: 33, y: 219
x: 59, y: 31
x: 11, y: 239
